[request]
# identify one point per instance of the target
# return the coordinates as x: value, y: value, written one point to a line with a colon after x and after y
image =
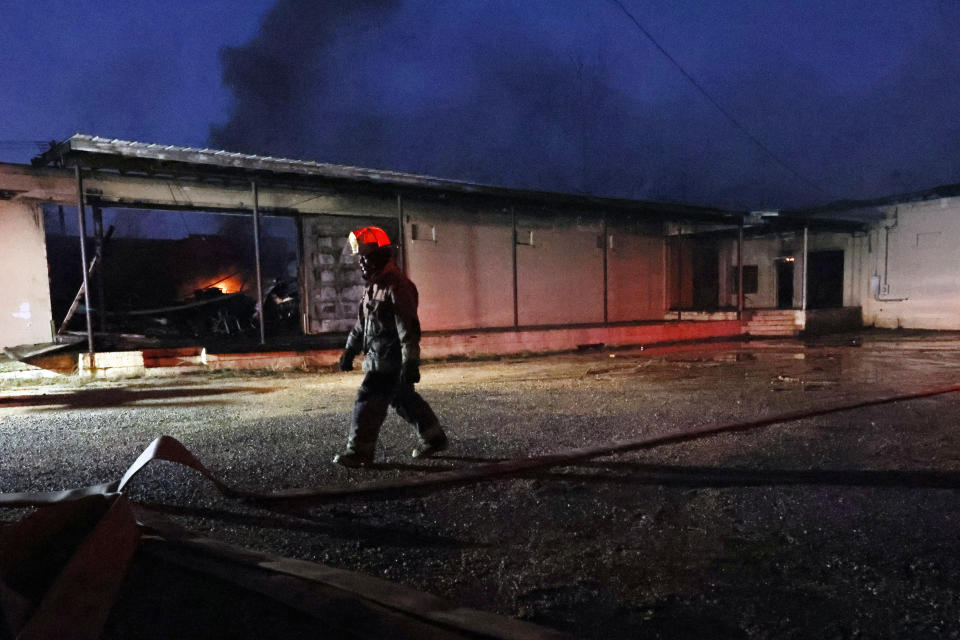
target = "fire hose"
x: 81, y: 592
x: 170, y: 449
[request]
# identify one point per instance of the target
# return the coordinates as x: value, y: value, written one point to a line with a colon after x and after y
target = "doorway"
x: 825, y: 280
x: 694, y: 272
x: 784, y: 283
x: 706, y: 275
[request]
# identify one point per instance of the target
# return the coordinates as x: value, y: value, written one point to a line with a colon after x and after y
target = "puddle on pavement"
x: 786, y: 364
x: 811, y: 364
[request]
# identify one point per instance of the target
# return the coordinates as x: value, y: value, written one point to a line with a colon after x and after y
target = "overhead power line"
x: 729, y: 116
x: 31, y: 143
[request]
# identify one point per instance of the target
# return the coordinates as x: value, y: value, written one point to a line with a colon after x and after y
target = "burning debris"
x: 200, y: 286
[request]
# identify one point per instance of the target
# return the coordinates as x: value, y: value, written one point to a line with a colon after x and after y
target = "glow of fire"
x: 229, y: 284
x: 233, y: 284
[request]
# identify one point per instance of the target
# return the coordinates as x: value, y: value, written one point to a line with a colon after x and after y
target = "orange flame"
x: 233, y: 284
x: 228, y: 282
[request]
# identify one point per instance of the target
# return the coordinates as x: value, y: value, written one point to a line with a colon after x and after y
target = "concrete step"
x: 773, y: 314
x: 771, y: 324
x: 773, y: 319
x: 774, y: 333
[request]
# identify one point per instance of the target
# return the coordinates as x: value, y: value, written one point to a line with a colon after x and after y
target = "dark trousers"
x: 377, y: 393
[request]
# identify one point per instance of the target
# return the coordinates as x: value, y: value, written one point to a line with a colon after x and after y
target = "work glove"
x: 410, y: 371
x: 346, y: 360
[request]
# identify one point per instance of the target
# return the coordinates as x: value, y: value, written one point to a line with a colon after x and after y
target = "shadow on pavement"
x: 334, y: 525
x: 683, y: 476
x: 118, y: 397
x: 444, y: 456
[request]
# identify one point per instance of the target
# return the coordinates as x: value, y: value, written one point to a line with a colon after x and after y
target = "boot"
x: 429, y: 447
x: 353, y: 459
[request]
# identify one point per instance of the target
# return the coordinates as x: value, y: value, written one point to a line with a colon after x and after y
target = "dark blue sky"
x: 858, y: 98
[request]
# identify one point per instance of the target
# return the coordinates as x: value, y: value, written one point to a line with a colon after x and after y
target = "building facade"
x: 491, y: 260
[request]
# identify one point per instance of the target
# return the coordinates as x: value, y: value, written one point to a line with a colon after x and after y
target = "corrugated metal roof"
x: 83, y: 143
x: 869, y: 209
x: 111, y: 152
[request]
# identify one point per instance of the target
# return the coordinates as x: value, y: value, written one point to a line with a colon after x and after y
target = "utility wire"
x: 719, y: 107
x: 30, y: 144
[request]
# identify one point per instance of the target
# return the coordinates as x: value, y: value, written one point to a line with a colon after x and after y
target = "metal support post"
x: 680, y: 273
x: 606, y: 277
x: 302, y: 280
x: 803, y: 295
x: 101, y: 295
x: 401, y: 245
x: 82, y: 220
x: 516, y: 296
x: 256, y: 249
x: 740, y: 271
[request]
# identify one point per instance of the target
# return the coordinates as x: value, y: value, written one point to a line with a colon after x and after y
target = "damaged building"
x: 499, y: 270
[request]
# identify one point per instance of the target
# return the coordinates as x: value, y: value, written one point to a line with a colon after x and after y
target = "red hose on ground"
x: 170, y: 449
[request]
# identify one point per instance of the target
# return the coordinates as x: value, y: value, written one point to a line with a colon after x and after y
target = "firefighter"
x: 388, y: 334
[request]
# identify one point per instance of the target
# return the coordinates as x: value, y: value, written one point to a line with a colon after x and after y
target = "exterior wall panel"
x: 914, y: 268
x: 461, y: 262
x: 560, y: 275
x: 24, y: 288
x: 635, y: 275
x: 679, y: 272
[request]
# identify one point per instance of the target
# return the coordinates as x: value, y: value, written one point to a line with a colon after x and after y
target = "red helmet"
x: 368, y: 239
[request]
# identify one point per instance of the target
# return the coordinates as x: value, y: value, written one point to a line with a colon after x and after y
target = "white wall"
x: 756, y: 251
x: 911, y: 267
x: 25, y: 315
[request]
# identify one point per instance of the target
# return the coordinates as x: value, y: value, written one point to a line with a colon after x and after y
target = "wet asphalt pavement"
x: 843, y: 525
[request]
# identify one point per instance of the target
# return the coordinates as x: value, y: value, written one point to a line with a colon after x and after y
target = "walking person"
x: 387, y: 333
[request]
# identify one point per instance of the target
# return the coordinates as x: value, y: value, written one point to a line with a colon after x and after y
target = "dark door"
x: 706, y: 275
x: 784, y: 284
x: 825, y: 280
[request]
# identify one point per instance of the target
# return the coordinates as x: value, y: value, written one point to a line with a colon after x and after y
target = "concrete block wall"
x: 330, y: 272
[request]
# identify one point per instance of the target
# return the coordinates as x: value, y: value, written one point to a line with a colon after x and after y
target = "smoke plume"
x: 568, y: 97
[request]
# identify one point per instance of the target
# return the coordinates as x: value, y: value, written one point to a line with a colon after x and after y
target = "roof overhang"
x: 129, y: 157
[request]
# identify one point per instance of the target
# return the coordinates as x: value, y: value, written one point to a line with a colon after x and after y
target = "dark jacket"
x: 388, y: 329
